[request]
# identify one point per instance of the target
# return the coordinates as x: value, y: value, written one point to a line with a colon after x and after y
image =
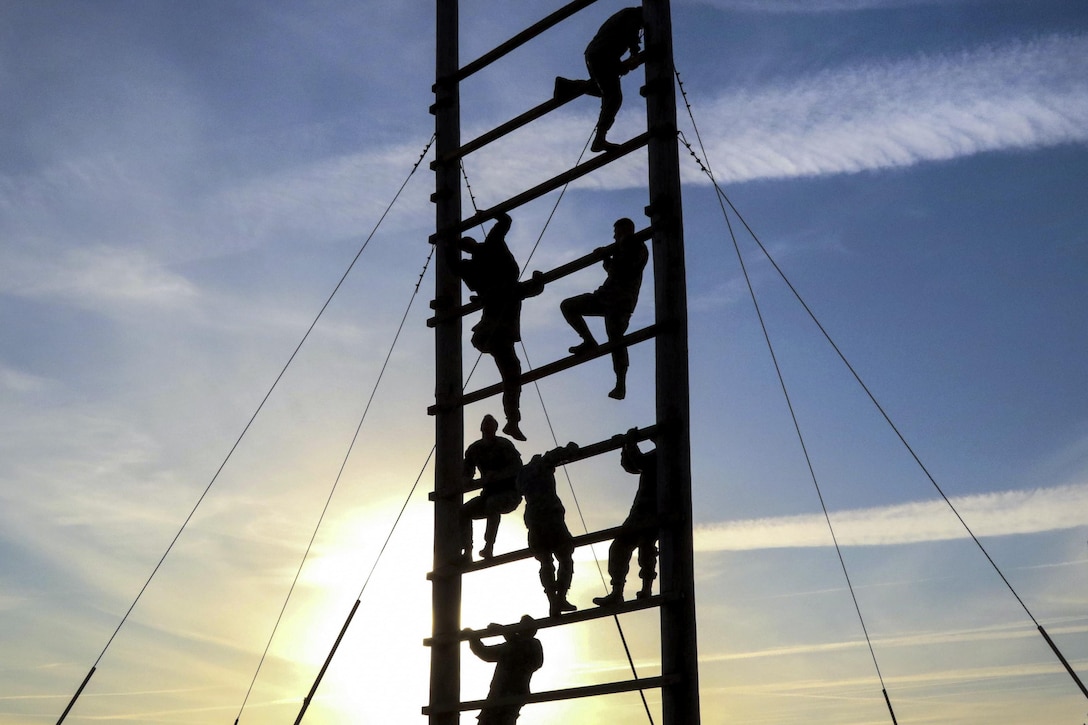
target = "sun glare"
x: 380, y: 671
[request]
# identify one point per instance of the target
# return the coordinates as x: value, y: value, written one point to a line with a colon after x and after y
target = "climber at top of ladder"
x: 605, y: 63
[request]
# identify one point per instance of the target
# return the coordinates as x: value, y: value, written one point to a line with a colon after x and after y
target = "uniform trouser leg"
x: 566, y: 571
x: 611, y: 100
x: 547, y: 573
x: 606, y: 74
x: 647, y: 559
x: 619, y: 558
x: 576, y: 308
x: 615, y: 326
x: 491, y: 529
x: 506, y: 360
x: 470, y: 510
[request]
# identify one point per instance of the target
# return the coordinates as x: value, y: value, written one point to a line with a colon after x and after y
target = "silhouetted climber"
x: 515, y: 660
x: 498, y: 463
x: 492, y: 273
x: 545, y: 518
x: 614, y: 300
x: 604, y: 60
x: 639, y: 529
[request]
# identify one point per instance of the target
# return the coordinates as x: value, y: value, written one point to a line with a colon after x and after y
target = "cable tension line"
x: 241, y: 435
x: 351, y: 445
x: 887, y: 418
x: 789, y: 402
x: 336, y: 482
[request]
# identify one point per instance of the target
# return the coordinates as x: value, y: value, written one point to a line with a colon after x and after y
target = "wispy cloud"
x: 930, y: 108
x: 846, y: 120
x: 813, y: 6
x: 18, y: 381
x: 335, y: 197
x: 1004, y: 631
x: 991, y: 514
x: 97, y: 276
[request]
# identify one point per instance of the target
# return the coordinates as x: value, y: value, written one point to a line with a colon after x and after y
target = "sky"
x: 183, y: 185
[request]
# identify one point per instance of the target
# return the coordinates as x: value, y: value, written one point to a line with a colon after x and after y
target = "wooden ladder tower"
x: 678, y: 681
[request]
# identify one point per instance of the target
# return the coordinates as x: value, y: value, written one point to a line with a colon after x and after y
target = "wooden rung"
x: 592, y: 537
x: 571, y: 693
x: 551, y: 276
x: 539, y: 190
x: 582, y: 615
x: 518, y: 40
x: 580, y: 454
x: 517, y: 555
x: 544, y: 371
x: 499, y: 131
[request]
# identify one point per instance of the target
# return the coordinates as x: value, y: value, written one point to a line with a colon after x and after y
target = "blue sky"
x: 182, y: 185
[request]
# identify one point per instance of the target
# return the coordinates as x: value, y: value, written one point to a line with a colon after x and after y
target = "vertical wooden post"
x: 445, y: 683
x: 679, y: 651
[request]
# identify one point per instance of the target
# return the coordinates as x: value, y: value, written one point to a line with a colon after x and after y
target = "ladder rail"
x: 593, y: 537
x: 590, y: 450
x: 517, y: 41
x: 445, y: 675
x: 553, y: 275
x: 678, y: 680
x: 543, y: 188
x: 552, y: 368
x: 571, y: 693
x: 582, y: 615
x: 509, y: 127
